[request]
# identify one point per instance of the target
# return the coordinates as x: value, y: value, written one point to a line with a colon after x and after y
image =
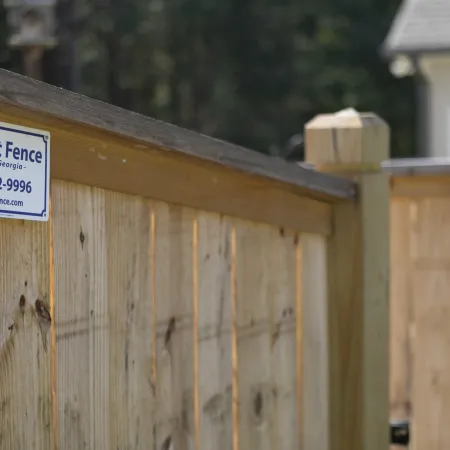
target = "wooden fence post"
x: 355, y: 336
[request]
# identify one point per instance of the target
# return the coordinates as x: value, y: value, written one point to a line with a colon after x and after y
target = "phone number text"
x: 12, y: 184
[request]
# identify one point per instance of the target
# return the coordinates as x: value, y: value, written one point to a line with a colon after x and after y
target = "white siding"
x: 437, y: 71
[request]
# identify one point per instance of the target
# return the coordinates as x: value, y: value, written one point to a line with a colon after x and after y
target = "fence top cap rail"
x: 399, y: 167
x: 417, y: 166
x: 38, y: 97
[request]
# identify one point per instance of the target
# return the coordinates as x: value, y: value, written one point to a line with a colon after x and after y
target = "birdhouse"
x: 31, y: 23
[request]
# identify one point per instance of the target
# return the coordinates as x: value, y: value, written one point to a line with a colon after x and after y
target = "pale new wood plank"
x: 173, y: 258
x: 81, y: 315
x: 431, y: 367
x: 401, y: 304
x: 254, y: 338
x: 315, y: 345
x: 266, y: 337
x: 25, y: 341
x: 130, y: 322
x: 282, y: 290
x: 410, y: 186
x: 214, y: 332
x: 430, y: 339
x: 432, y: 216
x: 99, y: 324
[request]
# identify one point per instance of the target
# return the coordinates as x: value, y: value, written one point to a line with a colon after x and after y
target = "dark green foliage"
x: 248, y: 71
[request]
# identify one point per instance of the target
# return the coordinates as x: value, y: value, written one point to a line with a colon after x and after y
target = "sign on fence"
x: 24, y: 172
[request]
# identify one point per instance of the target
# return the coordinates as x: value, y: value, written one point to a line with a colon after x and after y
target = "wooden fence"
x: 201, y: 296
x: 420, y: 299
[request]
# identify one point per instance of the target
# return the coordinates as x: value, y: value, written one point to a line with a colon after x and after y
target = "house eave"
x: 389, y: 53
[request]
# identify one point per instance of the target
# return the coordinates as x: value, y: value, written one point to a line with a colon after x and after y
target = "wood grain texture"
x: 282, y: 248
x: 419, y: 305
x: 214, y: 332
x: 143, y: 300
x: 430, y: 338
x: 315, y: 345
x: 33, y: 98
x: 401, y: 311
x: 130, y: 328
x: 420, y: 186
x: 266, y: 337
x: 25, y: 353
x: 431, y: 367
x: 103, y: 318
x: 420, y: 308
x: 82, y: 342
x: 174, y: 326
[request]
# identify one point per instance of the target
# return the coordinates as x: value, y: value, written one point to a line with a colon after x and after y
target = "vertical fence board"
x: 214, y: 333
x: 400, y: 312
x: 282, y: 249
x: 266, y: 338
x: 103, y: 313
x: 254, y: 339
x: 130, y: 322
x: 99, y: 325
x: 81, y: 316
x: 315, y: 345
x: 175, y: 337
x: 25, y: 341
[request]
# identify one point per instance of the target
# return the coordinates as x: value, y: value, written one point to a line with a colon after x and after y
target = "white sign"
x: 24, y: 172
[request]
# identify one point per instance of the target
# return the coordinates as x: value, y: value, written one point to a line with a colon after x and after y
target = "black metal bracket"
x: 400, y: 434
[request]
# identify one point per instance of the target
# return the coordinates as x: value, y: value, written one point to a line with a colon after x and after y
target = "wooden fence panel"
x: 430, y: 242
x: 163, y: 312
x: 431, y: 369
x: 144, y: 299
x: 420, y: 312
x: 265, y: 314
x: 26, y: 419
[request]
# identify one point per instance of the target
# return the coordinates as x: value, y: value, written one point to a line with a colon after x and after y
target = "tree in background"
x: 248, y: 71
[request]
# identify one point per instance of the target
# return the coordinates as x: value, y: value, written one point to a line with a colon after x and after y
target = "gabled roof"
x: 420, y: 26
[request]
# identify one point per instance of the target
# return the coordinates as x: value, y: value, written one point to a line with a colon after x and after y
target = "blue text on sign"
x: 22, y: 154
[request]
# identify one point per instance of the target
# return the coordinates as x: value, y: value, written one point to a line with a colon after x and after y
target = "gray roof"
x: 420, y: 26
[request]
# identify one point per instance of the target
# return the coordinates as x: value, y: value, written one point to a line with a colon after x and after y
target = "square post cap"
x: 347, y: 141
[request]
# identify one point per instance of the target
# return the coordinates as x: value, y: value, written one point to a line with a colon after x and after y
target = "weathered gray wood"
x: 417, y: 166
x: 42, y: 98
x: 404, y: 166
